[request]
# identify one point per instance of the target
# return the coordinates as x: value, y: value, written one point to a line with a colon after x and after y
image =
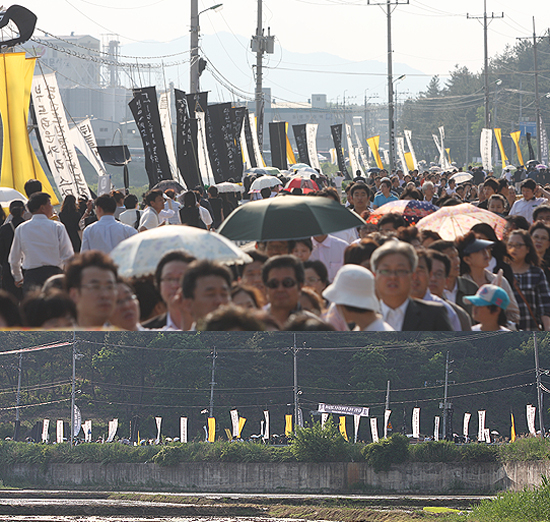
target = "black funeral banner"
x: 249, y: 140
x: 336, y: 131
x: 185, y: 145
x: 23, y: 19
x: 239, y: 114
x: 300, y: 135
x: 277, y: 139
x: 197, y: 101
x: 530, y: 146
x: 144, y: 107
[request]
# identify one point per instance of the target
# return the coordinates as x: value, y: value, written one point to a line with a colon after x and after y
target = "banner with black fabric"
x: 218, y: 133
x: 197, y: 101
x: 277, y: 138
x: 144, y: 107
x: 185, y: 144
x: 239, y: 114
x: 249, y: 140
x: 530, y: 146
x: 336, y: 131
x: 300, y: 135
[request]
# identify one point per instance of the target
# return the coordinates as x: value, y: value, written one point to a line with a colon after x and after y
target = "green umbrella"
x: 288, y: 217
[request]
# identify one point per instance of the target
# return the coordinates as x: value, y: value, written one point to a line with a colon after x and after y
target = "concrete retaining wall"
x: 283, y: 477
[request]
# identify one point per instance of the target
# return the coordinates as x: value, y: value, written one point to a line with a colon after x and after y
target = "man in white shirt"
x: 525, y: 206
x: 150, y: 217
x: 428, y: 189
x: 106, y: 233
x: 132, y: 215
x: 40, y: 246
x: 330, y: 251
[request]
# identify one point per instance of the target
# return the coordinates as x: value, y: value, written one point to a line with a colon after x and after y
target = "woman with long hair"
x: 70, y: 215
x: 540, y: 232
x: 189, y: 212
x: 530, y: 287
x: 475, y: 255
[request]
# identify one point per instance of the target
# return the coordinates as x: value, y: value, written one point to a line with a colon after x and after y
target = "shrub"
x: 381, y: 455
x: 443, y: 451
x: 320, y: 444
x: 479, y: 453
x: 531, y: 448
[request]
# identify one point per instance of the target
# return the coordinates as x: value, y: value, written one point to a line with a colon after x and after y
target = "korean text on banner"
x: 374, y: 429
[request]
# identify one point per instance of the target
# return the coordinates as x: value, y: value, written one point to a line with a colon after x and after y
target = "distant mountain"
x: 285, y: 72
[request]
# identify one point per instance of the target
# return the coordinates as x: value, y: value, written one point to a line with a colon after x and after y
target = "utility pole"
x: 391, y: 123
x: 445, y: 405
x: 73, y: 390
x: 295, y: 387
x: 537, y: 95
x: 539, y: 390
x: 18, y: 401
x: 486, y: 21
x: 387, y: 408
x: 212, y: 381
x: 261, y: 44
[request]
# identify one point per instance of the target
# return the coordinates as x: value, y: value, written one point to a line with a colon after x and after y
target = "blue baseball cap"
x: 488, y: 295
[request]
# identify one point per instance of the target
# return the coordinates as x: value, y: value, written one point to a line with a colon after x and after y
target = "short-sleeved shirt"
x: 525, y: 208
x: 535, y: 290
x: 380, y: 200
x: 149, y: 219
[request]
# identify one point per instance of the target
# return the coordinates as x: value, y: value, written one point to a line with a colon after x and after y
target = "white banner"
x: 77, y: 421
x: 466, y: 424
x: 234, y: 423
x: 113, y: 427
x: 59, y: 432
x: 45, y: 428
x: 531, y: 412
x: 408, y: 137
x: 255, y: 144
x: 487, y: 436
x: 485, y: 147
x: 333, y: 156
x: 400, y: 144
x: 83, y: 138
x: 343, y: 410
x: 386, y: 154
x: 356, y: 421
x: 54, y: 132
x: 205, y: 167
x: 387, y: 414
x: 416, y: 423
x: 352, y: 163
x: 543, y: 143
x: 166, y: 125
x: 362, y: 153
x: 481, y: 425
x: 442, y: 153
x: 266, y: 427
x: 183, y: 430
x: 244, y: 150
x: 158, y: 420
x: 436, y: 428
x: 87, y: 427
x: 311, y: 137
x: 374, y: 429
x: 324, y: 418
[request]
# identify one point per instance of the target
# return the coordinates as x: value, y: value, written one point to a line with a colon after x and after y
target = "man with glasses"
x: 393, y: 264
x: 168, y: 277
x: 91, y: 282
x: 283, y: 278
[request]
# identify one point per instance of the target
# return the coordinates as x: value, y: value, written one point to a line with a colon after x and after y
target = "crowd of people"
x: 383, y: 276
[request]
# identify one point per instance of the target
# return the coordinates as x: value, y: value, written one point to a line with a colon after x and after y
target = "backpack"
x: 138, y: 219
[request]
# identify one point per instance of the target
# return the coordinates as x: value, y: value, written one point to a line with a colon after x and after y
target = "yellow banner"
x: 373, y: 143
x: 498, y: 136
x: 19, y: 162
x: 288, y: 425
x: 242, y: 422
x: 409, y: 160
x: 343, y: 427
x: 515, y: 137
x: 211, y: 429
x: 513, y: 430
x: 289, y: 152
x: 448, y: 151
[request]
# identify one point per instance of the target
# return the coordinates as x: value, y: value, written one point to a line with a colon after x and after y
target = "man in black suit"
x: 393, y: 264
x: 168, y: 278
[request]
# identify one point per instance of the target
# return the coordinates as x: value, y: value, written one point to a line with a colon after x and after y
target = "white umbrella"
x: 462, y: 177
x: 225, y: 187
x: 139, y: 255
x: 7, y: 195
x: 306, y: 172
x: 265, y: 182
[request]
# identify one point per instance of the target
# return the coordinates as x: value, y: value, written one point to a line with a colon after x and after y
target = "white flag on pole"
x: 266, y: 427
x: 45, y: 428
x: 416, y: 423
x: 481, y: 425
x: 387, y: 414
x: 311, y: 137
x: 324, y: 418
x: 408, y: 137
x: 158, y: 420
x: 113, y: 427
x: 59, y: 433
x: 466, y: 424
x: 436, y: 428
x: 485, y: 146
x: 356, y: 421
x: 374, y: 429
x: 235, y: 423
x: 401, y: 153
x: 531, y: 412
x: 183, y: 430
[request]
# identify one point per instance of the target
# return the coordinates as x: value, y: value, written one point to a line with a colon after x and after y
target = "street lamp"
x: 195, y: 71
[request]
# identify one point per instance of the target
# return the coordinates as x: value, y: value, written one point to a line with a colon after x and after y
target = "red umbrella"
x: 304, y: 183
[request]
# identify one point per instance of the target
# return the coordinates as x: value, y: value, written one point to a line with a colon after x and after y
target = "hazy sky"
x: 429, y: 35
